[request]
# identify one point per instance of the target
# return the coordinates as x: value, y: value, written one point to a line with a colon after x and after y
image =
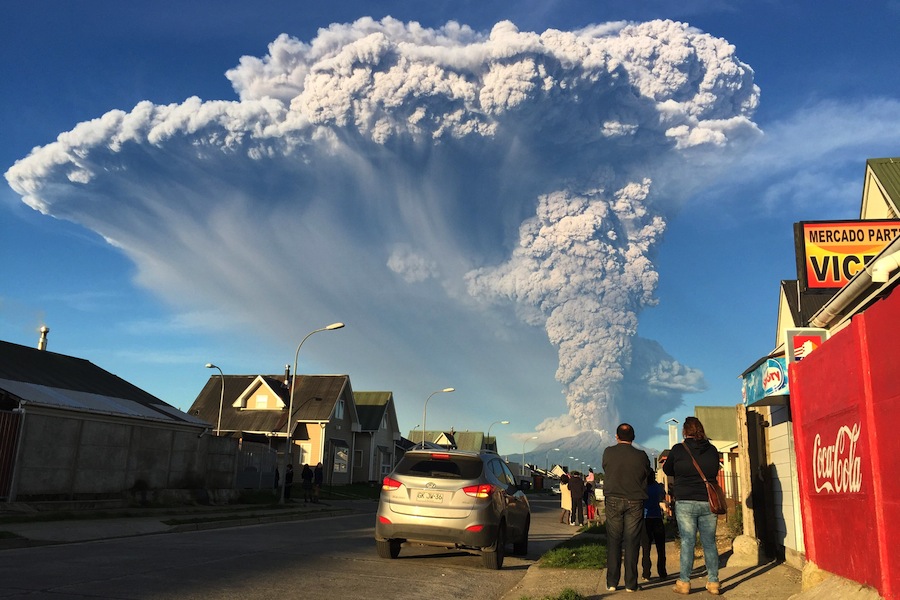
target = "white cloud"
x: 383, y: 148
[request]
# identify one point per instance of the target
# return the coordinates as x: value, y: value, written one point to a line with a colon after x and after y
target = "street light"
x: 547, y: 459
x: 492, y: 424
x: 425, y: 409
x: 534, y: 437
x: 290, y: 415
x: 221, y: 396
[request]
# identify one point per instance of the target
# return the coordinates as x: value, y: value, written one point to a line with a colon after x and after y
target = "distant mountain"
x: 586, y: 446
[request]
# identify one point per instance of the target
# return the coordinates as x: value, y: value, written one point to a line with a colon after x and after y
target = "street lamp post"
x: 221, y: 396
x: 534, y: 437
x: 492, y: 424
x: 547, y: 459
x: 290, y: 415
x: 425, y: 410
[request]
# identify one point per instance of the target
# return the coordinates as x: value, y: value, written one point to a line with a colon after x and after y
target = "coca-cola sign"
x: 837, y: 468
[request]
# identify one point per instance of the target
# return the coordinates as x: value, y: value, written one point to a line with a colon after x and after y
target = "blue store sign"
x: 768, y: 379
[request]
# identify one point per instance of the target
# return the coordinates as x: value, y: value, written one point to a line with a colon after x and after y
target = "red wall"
x: 845, y: 407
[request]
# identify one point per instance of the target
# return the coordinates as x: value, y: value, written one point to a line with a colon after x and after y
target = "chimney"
x: 42, y: 343
x: 287, y: 375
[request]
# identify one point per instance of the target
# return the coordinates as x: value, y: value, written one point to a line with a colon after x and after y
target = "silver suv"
x: 453, y: 499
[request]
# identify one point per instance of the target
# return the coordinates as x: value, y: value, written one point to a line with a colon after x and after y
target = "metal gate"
x: 9, y: 443
x: 256, y: 466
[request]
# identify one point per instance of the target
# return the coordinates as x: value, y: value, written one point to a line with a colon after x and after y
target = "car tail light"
x: 389, y: 485
x: 479, y: 491
x: 440, y: 456
x: 384, y: 520
x: 475, y: 528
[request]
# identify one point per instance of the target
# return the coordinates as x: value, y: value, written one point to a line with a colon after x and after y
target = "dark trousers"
x: 654, y: 534
x: 577, y: 510
x: 624, y: 525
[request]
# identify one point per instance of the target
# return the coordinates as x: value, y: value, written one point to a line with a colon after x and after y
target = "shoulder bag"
x: 713, y: 489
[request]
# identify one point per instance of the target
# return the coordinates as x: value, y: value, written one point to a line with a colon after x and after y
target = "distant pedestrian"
x: 692, y: 511
x: 306, y: 482
x: 277, y: 479
x: 288, y: 481
x: 627, y: 471
x: 318, y: 479
x: 654, y: 531
x: 565, y: 499
x: 576, y: 489
x: 590, y: 476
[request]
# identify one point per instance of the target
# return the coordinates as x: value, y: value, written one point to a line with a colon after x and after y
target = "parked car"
x: 555, y: 490
x: 453, y: 499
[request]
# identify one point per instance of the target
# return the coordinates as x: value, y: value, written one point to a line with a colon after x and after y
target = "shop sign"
x: 800, y: 342
x: 830, y: 253
x: 837, y: 468
x: 768, y: 379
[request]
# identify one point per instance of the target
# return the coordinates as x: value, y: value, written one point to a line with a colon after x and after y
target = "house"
x: 820, y: 406
x: 377, y: 443
x: 70, y: 430
x: 352, y: 435
x: 472, y: 441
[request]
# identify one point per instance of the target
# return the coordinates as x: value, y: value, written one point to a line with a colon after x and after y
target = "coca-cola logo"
x: 836, y: 467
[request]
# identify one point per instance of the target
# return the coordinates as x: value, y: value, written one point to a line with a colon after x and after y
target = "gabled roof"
x: 44, y: 378
x: 803, y: 305
x: 372, y: 408
x: 315, y: 397
x: 469, y: 440
x: 886, y: 173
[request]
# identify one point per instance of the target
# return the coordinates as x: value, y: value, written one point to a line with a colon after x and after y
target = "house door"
x: 9, y: 444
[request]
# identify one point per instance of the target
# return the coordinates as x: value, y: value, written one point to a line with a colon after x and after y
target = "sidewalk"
x: 770, y: 581
x: 144, y: 521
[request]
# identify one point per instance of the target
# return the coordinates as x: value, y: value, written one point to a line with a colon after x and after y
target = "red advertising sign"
x: 830, y: 253
x: 802, y: 341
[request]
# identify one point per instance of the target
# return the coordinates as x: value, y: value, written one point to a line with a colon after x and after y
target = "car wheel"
x: 492, y: 558
x: 520, y: 548
x: 388, y: 548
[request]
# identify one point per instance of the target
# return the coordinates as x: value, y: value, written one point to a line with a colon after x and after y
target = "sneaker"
x: 611, y: 588
x: 637, y: 589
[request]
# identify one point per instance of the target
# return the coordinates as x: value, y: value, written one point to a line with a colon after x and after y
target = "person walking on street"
x: 288, y: 480
x: 654, y: 532
x: 627, y: 471
x: 306, y: 482
x: 318, y: 479
x: 692, y: 511
x: 565, y: 499
x: 576, y: 489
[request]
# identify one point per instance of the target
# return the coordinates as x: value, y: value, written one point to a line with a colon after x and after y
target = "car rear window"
x: 456, y: 467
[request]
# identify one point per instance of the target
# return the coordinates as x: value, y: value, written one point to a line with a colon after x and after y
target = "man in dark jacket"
x: 627, y: 471
x: 576, y: 488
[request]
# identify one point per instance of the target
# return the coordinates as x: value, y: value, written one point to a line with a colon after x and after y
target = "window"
x: 305, y: 453
x: 384, y: 422
x: 260, y: 401
x: 386, y: 466
x: 339, y: 409
x: 341, y: 456
x: 357, y: 459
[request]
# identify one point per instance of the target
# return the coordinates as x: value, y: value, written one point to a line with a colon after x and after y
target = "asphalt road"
x: 331, y: 557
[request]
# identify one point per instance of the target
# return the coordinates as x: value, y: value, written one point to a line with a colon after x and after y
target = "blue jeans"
x: 694, y: 515
x: 624, y: 526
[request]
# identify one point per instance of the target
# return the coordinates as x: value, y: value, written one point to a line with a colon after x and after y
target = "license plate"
x: 436, y: 497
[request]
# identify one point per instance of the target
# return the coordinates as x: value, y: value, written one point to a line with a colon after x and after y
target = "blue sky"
x: 450, y: 240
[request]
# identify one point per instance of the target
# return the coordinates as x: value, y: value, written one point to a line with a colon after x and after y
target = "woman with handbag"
x: 693, y: 463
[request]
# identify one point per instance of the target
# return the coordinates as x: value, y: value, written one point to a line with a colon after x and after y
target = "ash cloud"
x: 504, y: 169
